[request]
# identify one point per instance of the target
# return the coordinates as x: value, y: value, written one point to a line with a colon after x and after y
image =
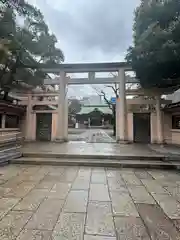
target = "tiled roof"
x: 88, y: 109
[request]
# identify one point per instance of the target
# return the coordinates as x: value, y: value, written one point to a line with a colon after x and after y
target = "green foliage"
x: 29, y: 43
x: 155, y: 56
x: 74, y: 106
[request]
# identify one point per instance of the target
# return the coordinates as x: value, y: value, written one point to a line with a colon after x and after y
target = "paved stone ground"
x: 83, y: 148
x: 166, y: 149
x: 92, y: 136
x: 64, y: 203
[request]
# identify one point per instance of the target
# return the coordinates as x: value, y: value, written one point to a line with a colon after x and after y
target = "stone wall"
x: 10, y: 147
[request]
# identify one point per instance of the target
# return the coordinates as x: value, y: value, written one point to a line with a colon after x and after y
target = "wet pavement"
x: 92, y: 136
x: 171, y: 150
x: 58, y: 203
x: 83, y: 148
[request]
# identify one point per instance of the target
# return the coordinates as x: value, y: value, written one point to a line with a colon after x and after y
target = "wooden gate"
x: 142, y: 129
x: 43, y: 126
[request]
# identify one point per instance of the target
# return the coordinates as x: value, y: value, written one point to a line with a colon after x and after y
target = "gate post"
x: 160, y: 137
x: 66, y: 120
x: 29, y: 124
x: 122, y: 107
x: 61, y: 123
x: 3, y: 121
x: 117, y: 120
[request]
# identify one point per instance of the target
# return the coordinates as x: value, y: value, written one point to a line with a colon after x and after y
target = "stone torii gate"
x: 121, y: 79
x: 91, y: 69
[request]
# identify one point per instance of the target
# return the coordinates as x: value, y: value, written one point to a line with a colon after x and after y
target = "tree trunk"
x: 114, y: 129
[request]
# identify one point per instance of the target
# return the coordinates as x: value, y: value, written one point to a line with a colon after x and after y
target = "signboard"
x: 113, y: 100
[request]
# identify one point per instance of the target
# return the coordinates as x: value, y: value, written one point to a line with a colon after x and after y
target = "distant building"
x: 94, y: 112
x: 10, y: 114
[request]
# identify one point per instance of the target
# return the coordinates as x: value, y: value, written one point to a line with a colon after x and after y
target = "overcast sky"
x: 90, y: 30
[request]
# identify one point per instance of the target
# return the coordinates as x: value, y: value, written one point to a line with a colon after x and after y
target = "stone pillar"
x: 160, y: 138
x: 91, y: 76
x: 66, y: 119
x: 117, y: 120
x: 89, y: 122
x: 29, y: 124
x: 122, y: 107
x: 60, y: 135
x: 3, y: 121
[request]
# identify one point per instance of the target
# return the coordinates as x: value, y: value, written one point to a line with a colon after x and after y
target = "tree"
x: 111, y: 106
x: 74, y: 106
x: 115, y: 90
x: 18, y: 5
x: 28, y: 44
x: 155, y: 55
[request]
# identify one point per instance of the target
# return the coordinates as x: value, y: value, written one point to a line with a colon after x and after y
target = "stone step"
x: 95, y: 163
x: 49, y: 155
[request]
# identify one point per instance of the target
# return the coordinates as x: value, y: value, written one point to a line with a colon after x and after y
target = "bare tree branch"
x: 106, y: 100
x: 116, y: 86
x: 115, y: 90
x: 113, y: 74
x: 111, y: 106
x: 102, y: 93
x: 97, y: 90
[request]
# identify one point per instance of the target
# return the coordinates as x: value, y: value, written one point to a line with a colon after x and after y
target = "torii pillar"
x: 62, y: 124
x: 160, y: 136
x: 122, y: 108
x: 28, y: 134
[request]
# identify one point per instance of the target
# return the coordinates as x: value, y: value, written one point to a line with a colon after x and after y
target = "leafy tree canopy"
x: 74, y: 106
x: 24, y: 40
x: 155, y: 56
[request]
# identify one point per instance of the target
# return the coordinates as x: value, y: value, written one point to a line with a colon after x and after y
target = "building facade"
x: 41, y: 123
x: 94, y: 116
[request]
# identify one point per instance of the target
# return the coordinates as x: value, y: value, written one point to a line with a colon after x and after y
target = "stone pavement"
x: 170, y: 150
x: 82, y: 148
x: 64, y: 203
x: 92, y: 136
